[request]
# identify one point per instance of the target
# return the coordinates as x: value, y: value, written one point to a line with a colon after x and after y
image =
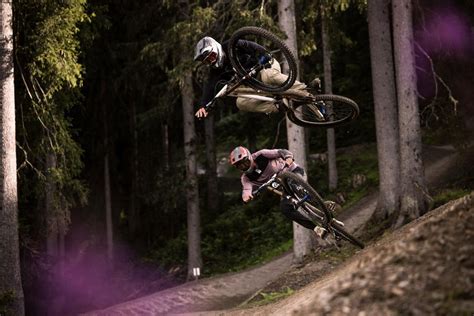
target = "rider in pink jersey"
x: 259, y: 167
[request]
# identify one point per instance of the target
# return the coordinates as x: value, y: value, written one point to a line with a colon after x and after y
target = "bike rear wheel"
x: 274, y: 46
x: 325, y: 110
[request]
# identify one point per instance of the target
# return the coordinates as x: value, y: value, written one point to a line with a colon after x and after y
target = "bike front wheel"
x: 302, y: 190
x: 275, y: 47
x: 324, y: 110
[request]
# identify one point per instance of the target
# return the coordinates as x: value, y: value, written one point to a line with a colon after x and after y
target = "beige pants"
x: 272, y: 76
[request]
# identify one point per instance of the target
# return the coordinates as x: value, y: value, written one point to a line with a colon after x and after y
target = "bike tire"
x: 288, y: 177
x: 278, y: 43
x: 346, y: 235
x: 302, y: 111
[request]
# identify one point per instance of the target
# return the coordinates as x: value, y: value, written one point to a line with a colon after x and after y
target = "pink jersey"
x: 268, y: 162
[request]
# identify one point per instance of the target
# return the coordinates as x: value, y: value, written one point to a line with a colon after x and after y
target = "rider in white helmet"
x: 212, y: 53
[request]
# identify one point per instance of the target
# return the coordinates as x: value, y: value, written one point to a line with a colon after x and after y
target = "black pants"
x: 288, y: 209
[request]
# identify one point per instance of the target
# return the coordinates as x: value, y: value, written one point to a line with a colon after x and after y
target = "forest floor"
x: 372, y: 279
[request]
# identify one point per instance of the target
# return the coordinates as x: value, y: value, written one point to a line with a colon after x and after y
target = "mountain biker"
x: 212, y: 53
x: 259, y: 167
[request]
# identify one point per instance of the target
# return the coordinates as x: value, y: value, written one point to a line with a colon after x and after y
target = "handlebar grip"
x: 209, y: 106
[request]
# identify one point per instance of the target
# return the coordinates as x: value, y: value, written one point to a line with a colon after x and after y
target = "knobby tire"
x: 255, y: 82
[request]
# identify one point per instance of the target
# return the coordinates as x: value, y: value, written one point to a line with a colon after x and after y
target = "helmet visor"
x: 243, y: 165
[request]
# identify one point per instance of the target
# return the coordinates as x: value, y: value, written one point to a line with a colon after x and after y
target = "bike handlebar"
x: 270, y: 181
x: 226, y: 90
x: 266, y: 184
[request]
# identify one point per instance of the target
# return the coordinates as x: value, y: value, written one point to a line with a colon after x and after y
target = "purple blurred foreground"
x: 446, y: 31
x: 84, y: 281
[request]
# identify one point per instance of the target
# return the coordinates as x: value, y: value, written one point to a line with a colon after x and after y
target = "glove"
x: 246, y: 197
x: 264, y: 59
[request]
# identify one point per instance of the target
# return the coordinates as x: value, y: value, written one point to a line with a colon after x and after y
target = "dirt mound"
x: 425, y: 268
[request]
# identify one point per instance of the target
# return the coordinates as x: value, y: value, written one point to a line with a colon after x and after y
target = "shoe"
x: 321, y: 232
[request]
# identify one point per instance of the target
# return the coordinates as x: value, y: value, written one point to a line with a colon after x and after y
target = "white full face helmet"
x: 209, y: 51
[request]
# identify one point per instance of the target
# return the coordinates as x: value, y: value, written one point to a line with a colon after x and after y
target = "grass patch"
x: 264, y: 298
x: 446, y: 195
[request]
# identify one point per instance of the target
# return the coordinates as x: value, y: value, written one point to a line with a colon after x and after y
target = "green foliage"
x: 357, y: 160
x: 240, y: 237
x: 54, y: 43
x: 51, y: 75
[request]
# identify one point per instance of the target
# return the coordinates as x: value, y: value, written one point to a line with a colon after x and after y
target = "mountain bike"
x: 306, y: 200
x: 304, y: 109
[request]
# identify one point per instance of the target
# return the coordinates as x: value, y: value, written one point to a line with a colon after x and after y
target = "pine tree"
x: 10, y: 278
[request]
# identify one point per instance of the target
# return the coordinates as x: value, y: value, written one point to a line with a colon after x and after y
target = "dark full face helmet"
x: 209, y: 52
x: 241, y: 158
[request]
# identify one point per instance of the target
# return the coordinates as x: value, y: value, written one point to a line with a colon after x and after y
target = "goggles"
x: 210, y: 59
x: 243, y: 165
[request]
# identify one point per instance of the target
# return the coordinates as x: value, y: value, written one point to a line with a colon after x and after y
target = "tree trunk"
x: 211, y: 172
x: 10, y: 277
x: 107, y: 192
x: 385, y: 106
x: 330, y: 134
x: 296, y: 141
x: 412, y: 180
x: 192, y: 191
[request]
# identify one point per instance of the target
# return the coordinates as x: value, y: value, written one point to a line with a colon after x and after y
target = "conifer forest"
x: 114, y: 192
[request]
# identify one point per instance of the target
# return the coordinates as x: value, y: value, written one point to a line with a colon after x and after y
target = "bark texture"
x: 211, y: 167
x: 385, y: 106
x: 192, y: 191
x: 412, y: 180
x: 330, y: 133
x: 296, y: 140
x: 10, y: 277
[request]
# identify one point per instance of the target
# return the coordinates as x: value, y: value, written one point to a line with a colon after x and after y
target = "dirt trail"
x: 229, y: 290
